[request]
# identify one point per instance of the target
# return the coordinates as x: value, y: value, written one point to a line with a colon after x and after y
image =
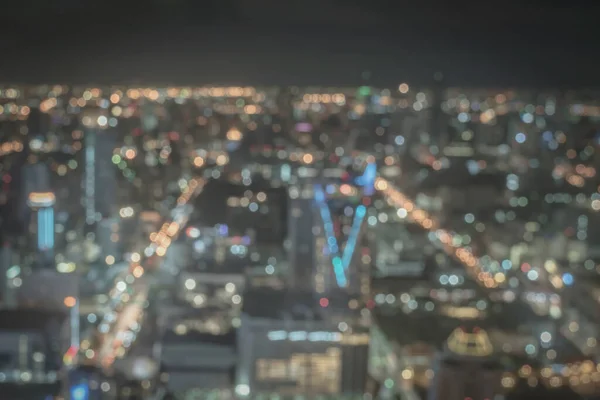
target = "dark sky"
x: 302, y: 41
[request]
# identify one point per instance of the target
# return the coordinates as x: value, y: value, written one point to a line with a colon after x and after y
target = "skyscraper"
x: 105, y: 173
x: 302, y: 242
x: 290, y: 348
x: 99, y: 180
x: 43, y: 206
x: 35, y: 177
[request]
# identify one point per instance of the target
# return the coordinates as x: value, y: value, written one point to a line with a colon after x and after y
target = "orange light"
x: 70, y: 301
x: 307, y: 158
x: 130, y: 154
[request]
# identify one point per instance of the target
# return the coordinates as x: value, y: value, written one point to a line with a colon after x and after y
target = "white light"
x: 230, y: 287
x: 190, y: 284
x: 198, y: 300
x: 532, y: 275
x: 242, y: 390
x: 546, y: 337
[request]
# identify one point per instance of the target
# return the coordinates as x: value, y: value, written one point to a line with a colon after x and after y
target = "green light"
x: 389, y: 383
x: 364, y: 91
x: 116, y: 159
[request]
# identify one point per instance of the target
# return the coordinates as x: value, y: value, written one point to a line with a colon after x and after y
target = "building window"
x: 318, y: 373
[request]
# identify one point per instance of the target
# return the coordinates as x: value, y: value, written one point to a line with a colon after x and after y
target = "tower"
x: 99, y: 177
x: 35, y: 177
x: 43, y: 205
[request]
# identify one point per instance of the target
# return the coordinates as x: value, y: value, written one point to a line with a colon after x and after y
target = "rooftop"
x: 280, y: 304
x: 404, y: 329
x: 195, y: 337
x: 29, y: 319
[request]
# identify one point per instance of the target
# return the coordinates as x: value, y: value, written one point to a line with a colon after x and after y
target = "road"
x: 125, y: 326
x: 129, y: 293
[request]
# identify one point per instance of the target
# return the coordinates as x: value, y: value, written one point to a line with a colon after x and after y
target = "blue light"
x: 367, y: 179
x: 80, y: 392
x: 286, y: 172
x: 340, y: 264
x: 327, y: 221
x: 223, y: 230
x: 45, y: 228
x: 338, y: 269
x: 520, y: 137
x: 567, y: 279
x: 359, y: 216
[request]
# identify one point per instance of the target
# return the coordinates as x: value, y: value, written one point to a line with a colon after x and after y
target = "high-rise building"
x: 287, y: 347
x: 302, y: 241
x: 30, y: 350
x: 99, y: 180
x: 42, y: 335
x: 6, y: 262
x: 43, y: 206
x: 105, y: 173
x: 195, y: 360
x: 35, y: 177
x: 466, y: 369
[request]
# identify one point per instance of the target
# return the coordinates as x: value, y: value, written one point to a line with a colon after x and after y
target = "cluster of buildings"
x: 295, y: 274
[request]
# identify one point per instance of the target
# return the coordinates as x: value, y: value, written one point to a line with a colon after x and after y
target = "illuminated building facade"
x: 105, y: 173
x: 466, y: 369
x: 196, y: 360
x: 30, y: 343
x: 53, y: 291
x: 36, y: 179
x: 339, y: 266
x: 43, y: 205
x: 99, y: 178
x: 291, y: 350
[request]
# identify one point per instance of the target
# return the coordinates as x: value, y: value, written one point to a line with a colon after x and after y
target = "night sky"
x: 301, y: 42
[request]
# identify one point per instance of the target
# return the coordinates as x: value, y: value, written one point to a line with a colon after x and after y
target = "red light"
x: 370, y: 304
x: 324, y: 302
x: 468, y: 398
x: 72, y: 351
